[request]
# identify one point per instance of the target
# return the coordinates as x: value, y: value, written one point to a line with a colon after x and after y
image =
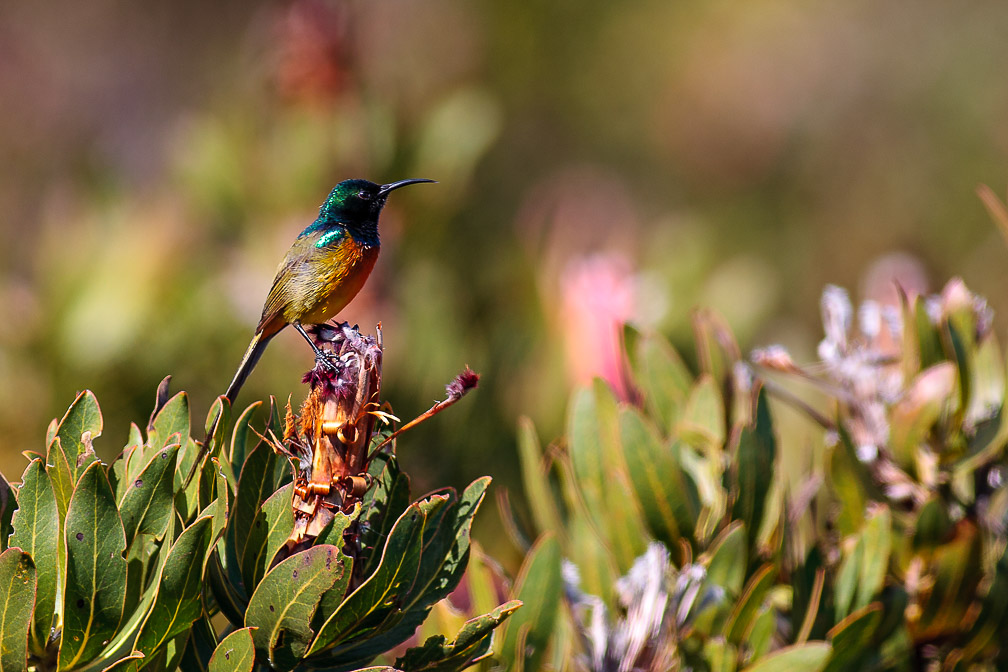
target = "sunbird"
x: 323, y: 270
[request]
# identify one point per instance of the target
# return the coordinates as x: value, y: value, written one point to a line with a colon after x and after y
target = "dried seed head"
x: 463, y: 382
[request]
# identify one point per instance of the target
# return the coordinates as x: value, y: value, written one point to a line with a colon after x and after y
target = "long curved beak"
x: 384, y: 189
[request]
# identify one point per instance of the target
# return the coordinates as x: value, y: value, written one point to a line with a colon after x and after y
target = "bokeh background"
x: 597, y: 162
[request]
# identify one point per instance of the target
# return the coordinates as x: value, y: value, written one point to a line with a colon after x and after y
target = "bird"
x: 323, y: 270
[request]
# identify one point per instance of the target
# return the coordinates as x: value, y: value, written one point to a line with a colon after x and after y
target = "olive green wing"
x: 290, y: 286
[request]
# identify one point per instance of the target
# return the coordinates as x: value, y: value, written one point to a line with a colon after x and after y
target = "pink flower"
x: 598, y: 297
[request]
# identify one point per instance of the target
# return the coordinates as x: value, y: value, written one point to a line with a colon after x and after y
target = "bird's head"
x: 359, y: 201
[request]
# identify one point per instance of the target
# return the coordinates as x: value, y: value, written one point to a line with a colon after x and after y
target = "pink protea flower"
x: 598, y: 297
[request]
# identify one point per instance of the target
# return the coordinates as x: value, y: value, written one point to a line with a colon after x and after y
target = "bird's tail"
x: 248, y: 362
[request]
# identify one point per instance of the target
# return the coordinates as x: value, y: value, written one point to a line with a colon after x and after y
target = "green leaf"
x: 863, y: 570
x: 923, y: 401
x: 366, y: 609
x: 187, y: 496
x: 992, y: 616
x: 753, y: 470
x: 481, y: 580
x: 61, y: 476
x: 852, y: 638
x: 851, y: 484
x: 218, y: 418
x: 144, y: 565
x: 596, y: 567
x: 470, y: 644
x: 230, y: 597
x: 877, y: 539
x: 749, y: 603
x: 664, y: 379
x: 82, y: 417
x: 720, y: 655
x: 382, y: 505
x: 809, y: 657
x: 728, y: 559
x: 539, y: 588
x: 241, y: 438
x: 715, y: 344
x: 130, y: 663
x: 199, y: 648
x: 332, y: 533
x: 95, y: 591
x: 956, y: 570
x: 171, y: 419
x: 703, y: 420
x: 762, y: 630
x: 665, y: 492
x: 146, y: 505
x: 284, y: 603
x: 933, y: 526
x: 422, y: 561
x: 36, y: 532
x: 177, y: 604
x: 259, y: 479
x: 535, y: 478
x: 270, y: 529
x: 128, y: 464
x: 17, y: 599
x: 597, y: 458
x: 235, y: 653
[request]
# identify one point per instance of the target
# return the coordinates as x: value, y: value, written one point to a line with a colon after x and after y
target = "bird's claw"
x: 323, y: 360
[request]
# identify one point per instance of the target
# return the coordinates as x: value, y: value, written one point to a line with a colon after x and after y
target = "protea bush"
x: 679, y: 528
x: 746, y: 513
x: 290, y: 545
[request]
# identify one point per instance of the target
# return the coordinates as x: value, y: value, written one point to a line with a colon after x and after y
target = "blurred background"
x: 597, y: 162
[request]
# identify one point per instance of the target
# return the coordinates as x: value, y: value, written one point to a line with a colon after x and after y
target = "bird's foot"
x: 325, y: 361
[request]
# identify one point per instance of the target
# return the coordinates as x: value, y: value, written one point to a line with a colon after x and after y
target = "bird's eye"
x: 364, y: 195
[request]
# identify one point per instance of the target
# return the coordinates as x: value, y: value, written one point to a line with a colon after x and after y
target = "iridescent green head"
x: 358, y: 201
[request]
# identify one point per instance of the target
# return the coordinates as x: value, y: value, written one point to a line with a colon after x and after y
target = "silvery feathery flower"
x: 656, y: 602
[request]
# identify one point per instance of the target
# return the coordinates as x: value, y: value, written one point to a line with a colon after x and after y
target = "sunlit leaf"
x: 95, y: 590
x: 17, y: 599
x: 235, y: 653
x: 200, y: 646
x: 82, y: 417
x: 664, y: 378
x: 749, y: 603
x: 284, y: 602
x: 271, y: 527
x: 851, y: 638
x: 535, y: 478
x: 422, y: 562
x: 146, y: 505
x: 728, y: 559
x: 470, y: 644
x: 702, y: 423
x: 809, y: 657
x: 243, y: 439
x: 171, y: 419
x: 539, y: 588
x: 36, y: 532
x: 753, y: 470
x: 260, y: 478
x: 665, y: 492
x: 177, y: 604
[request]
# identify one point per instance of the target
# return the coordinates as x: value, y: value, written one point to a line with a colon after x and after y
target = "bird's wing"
x: 286, y: 282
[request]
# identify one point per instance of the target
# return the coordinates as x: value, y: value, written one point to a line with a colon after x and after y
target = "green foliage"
x: 131, y: 566
x: 878, y: 544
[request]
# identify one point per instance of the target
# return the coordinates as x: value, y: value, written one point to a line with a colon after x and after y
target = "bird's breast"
x: 338, y: 274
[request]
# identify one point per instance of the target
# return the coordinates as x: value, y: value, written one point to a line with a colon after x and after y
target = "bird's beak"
x: 384, y: 189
